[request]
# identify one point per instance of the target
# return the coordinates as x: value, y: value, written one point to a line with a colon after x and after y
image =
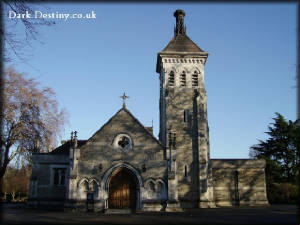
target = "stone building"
x: 124, y: 166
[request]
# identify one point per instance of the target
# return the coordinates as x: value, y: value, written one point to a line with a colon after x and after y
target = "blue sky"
x: 250, y: 73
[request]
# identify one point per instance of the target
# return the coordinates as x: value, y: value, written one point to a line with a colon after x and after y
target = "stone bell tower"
x: 183, y: 120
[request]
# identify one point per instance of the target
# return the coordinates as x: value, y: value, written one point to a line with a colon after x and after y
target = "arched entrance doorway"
x: 122, y: 190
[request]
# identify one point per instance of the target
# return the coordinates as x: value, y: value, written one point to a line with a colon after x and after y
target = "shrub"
x: 283, y: 193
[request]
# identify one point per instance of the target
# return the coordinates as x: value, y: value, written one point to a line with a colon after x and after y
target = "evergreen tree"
x: 280, y: 150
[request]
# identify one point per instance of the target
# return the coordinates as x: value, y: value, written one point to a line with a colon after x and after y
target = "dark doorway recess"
x: 122, y: 190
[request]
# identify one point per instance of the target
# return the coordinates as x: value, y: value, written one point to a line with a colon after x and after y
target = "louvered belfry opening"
x: 183, y: 79
x: 195, y: 79
x: 171, y: 79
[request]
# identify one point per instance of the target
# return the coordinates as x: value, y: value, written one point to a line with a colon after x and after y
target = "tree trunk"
x: 5, y: 162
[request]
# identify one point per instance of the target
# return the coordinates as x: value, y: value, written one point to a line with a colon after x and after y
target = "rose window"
x: 122, y: 142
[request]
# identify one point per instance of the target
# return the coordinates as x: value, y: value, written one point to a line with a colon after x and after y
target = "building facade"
x: 124, y: 166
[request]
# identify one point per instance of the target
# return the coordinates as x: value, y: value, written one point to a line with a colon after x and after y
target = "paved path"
x: 278, y: 214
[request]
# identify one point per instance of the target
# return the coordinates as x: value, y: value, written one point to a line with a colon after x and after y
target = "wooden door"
x: 122, y: 191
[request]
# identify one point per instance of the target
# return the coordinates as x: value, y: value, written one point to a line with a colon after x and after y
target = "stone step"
x: 118, y: 211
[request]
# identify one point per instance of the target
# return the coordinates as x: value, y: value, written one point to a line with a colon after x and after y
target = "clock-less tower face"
x: 183, y: 111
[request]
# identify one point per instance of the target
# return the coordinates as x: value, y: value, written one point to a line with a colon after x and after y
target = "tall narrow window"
x: 56, y: 176
x: 62, y: 176
x: 195, y: 79
x: 160, y: 190
x: 185, y: 171
x: 183, y: 79
x: 151, y: 190
x: 186, y: 115
x: 171, y: 78
x: 86, y: 186
x: 83, y: 189
x: 172, y: 139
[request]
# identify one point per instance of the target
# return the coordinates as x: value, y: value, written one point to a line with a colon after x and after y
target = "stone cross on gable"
x: 124, y: 97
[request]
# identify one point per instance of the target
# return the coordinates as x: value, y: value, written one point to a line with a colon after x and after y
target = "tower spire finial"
x: 180, y: 28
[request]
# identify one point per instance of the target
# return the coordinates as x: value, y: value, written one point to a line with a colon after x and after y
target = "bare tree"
x: 14, y: 44
x: 32, y: 121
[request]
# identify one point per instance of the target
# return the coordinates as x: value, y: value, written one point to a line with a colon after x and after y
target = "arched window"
x: 151, y: 189
x: 151, y: 186
x: 171, y: 79
x: 183, y: 79
x: 83, y: 189
x: 95, y: 188
x: 195, y: 79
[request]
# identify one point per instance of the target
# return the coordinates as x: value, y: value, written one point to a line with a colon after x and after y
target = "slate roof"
x: 181, y: 43
x: 65, y: 148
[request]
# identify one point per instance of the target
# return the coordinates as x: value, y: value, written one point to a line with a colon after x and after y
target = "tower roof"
x: 181, y: 42
x: 180, y: 45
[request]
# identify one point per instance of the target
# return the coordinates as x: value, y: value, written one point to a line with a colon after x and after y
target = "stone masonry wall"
x: 239, y: 182
x: 183, y: 112
x: 145, y: 156
x: 43, y: 193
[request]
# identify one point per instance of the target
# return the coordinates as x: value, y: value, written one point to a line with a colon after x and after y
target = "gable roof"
x: 124, y: 109
x: 182, y: 43
x: 64, y: 149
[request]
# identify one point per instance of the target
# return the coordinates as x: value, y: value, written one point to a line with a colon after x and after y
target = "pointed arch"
x: 109, y: 174
x: 150, y: 186
x: 94, y: 186
x: 81, y: 181
x: 83, y: 188
x: 149, y: 180
x: 176, y: 70
x: 195, y: 68
x: 116, y: 168
x: 185, y: 69
x: 161, y: 181
x: 94, y: 180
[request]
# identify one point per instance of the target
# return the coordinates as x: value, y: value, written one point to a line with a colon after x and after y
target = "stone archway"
x: 109, y: 174
x: 122, y: 189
